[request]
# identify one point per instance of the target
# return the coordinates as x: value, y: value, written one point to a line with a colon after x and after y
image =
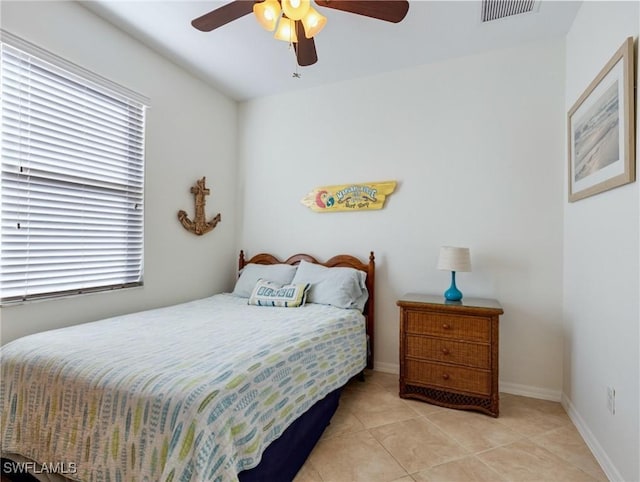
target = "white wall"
x: 601, y: 285
x: 476, y: 145
x: 191, y: 132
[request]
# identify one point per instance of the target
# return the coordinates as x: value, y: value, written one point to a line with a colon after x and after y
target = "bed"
x: 223, y: 388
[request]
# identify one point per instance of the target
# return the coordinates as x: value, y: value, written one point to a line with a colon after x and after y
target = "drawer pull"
x: 446, y: 326
x: 445, y: 351
x: 445, y: 376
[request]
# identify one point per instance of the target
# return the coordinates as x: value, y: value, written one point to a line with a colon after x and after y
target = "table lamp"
x: 454, y: 259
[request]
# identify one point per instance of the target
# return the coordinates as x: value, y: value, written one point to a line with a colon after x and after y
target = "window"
x: 72, y: 178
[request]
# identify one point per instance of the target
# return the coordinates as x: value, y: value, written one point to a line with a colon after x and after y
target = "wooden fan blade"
x: 389, y: 10
x: 305, y: 47
x: 223, y: 15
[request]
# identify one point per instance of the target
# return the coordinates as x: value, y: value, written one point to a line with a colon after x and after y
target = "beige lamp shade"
x: 267, y: 14
x: 313, y: 22
x: 286, y: 30
x: 295, y: 9
x: 454, y: 259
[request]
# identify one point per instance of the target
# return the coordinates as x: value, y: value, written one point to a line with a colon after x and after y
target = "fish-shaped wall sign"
x: 349, y: 197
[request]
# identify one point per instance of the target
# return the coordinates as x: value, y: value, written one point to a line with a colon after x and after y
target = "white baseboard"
x: 531, y: 391
x: 387, y: 367
x: 596, y: 449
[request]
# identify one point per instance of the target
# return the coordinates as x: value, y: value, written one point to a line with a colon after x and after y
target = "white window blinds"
x: 71, y: 183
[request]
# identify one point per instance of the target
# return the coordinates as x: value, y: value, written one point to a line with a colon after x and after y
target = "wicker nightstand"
x: 449, y: 352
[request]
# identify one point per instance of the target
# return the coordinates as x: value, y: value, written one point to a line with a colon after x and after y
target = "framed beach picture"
x: 601, y: 129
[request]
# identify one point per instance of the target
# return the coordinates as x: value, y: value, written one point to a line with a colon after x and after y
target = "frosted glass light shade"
x: 286, y: 30
x: 267, y: 14
x: 454, y: 259
x: 313, y: 22
x: 295, y: 9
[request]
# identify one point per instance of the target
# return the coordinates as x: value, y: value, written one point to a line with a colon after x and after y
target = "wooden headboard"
x: 342, y: 260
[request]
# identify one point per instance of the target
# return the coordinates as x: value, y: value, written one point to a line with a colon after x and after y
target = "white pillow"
x: 341, y: 287
x: 251, y: 273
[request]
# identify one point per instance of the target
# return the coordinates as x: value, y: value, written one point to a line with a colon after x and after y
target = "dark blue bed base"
x: 284, y: 457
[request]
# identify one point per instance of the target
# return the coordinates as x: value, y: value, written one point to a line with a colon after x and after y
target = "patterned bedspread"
x: 193, y: 392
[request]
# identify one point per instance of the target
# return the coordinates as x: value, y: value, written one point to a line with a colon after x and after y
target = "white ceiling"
x: 244, y: 61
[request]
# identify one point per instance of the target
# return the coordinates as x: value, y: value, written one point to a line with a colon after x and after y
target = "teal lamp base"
x: 453, y: 293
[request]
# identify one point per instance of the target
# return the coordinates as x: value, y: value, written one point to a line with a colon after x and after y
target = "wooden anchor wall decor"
x: 199, y: 225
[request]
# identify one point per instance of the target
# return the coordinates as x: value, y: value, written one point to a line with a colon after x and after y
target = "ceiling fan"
x: 298, y: 22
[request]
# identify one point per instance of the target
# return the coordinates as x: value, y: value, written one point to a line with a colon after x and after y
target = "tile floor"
x: 375, y: 436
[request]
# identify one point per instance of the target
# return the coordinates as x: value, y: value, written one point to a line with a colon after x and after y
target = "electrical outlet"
x: 611, y: 400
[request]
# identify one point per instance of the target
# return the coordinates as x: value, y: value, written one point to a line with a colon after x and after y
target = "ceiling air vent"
x: 496, y: 9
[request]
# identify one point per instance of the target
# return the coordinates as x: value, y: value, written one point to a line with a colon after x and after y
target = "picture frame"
x: 601, y: 129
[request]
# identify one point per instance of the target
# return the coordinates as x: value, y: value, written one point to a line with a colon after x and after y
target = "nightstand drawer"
x: 458, y: 327
x: 449, y: 351
x: 448, y: 377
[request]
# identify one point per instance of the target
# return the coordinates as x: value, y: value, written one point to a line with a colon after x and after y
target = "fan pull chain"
x: 295, y: 74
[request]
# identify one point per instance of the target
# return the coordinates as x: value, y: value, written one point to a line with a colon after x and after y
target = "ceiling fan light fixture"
x: 286, y: 30
x: 297, y: 23
x: 267, y: 14
x: 295, y: 9
x: 313, y: 22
